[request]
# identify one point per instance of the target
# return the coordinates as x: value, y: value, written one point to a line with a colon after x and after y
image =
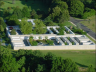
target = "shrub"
x: 88, y: 13
x: 79, y: 31
x: 33, y: 43
x: 30, y: 38
x: 61, y: 32
x: 65, y: 43
x: 13, y: 32
x: 72, y: 43
x: 50, y: 42
x: 68, y: 38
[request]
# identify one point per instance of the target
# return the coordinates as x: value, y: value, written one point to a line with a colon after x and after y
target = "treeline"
x: 35, y: 61
x: 59, y: 10
x: 76, y: 8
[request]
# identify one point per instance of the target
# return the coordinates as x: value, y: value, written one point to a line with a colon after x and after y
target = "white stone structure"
x: 81, y: 42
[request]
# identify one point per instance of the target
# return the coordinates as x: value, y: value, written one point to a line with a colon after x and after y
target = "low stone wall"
x: 67, y: 47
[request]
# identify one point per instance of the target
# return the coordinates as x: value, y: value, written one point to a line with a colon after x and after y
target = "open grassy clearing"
x: 37, y: 5
x: 82, y: 58
x: 90, y: 24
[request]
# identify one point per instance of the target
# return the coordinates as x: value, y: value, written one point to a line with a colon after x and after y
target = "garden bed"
x: 41, y: 42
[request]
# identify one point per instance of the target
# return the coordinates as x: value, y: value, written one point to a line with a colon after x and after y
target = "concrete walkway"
x: 77, y: 21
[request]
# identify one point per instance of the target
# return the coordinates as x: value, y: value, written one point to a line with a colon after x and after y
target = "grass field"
x: 90, y: 24
x: 82, y: 58
x: 37, y: 5
x: 68, y: 24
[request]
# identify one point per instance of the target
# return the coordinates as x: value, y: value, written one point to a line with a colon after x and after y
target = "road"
x: 76, y: 22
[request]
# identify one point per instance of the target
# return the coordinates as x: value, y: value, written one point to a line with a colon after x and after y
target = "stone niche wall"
x: 58, y: 47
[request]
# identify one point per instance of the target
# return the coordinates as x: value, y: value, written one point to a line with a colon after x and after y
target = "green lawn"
x: 37, y: 5
x: 83, y: 58
x: 65, y: 24
x: 68, y: 24
x: 90, y: 24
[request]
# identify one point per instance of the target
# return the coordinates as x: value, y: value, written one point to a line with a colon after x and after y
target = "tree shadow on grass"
x: 81, y: 65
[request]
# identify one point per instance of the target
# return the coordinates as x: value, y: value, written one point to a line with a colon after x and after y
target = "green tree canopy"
x: 8, y: 63
x: 25, y: 26
x: 17, y: 11
x: 13, y: 32
x: 12, y: 20
x: 2, y: 23
x: 63, y: 5
x: 34, y: 14
x: 40, y: 28
x: 60, y: 65
x: 76, y: 8
x: 25, y: 12
x: 6, y: 13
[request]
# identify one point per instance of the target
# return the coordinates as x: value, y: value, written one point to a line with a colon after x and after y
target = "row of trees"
x: 27, y: 27
x: 59, y: 10
x: 20, y: 13
x: 35, y: 61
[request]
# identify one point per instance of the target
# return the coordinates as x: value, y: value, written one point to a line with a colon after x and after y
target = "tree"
x: 12, y: 20
x: 2, y: 29
x: 30, y: 38
x: 63, y: 5
x: 25, y: 26
x: 2, y: 23
x: 34, y: 14
x: 55, y: 12
x: 64, y: 16
x: 49, y: 57
x: 90, y: 69
x: 76, y: 8
x: 70, y: 66
x: 9, y: 46
x: 6, y: 13
x: 17, y: 11
x: 13, y: 32
x: 60, y: 13
x: 25, y: 12
x: 8, y: 63
x: 21, y: 61
x: 61, y: 32
x: 60, y: 65
x: 40, y: 28
x: 50, y: 42
x: 48, y: 21
x: 23, y: 69
x: 40, y: 68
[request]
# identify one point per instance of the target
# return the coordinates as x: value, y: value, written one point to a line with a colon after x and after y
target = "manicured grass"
x: 68, y: 24
x: 82, y: 58
x: 91, y: 39
x: 90, y: 24
x: 37, y: 5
